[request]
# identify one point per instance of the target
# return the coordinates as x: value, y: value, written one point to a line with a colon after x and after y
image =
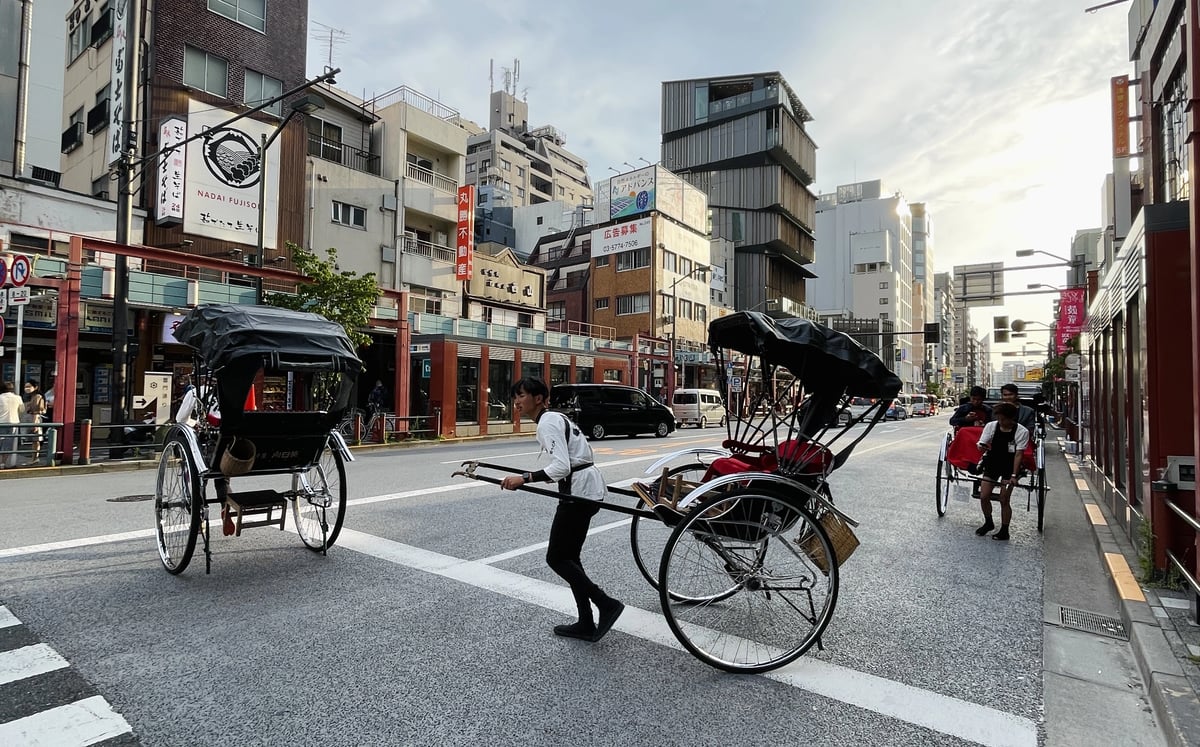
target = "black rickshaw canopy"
x: 823, y: 358
x: 223, y: 333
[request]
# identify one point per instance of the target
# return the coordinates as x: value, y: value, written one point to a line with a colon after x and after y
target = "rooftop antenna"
x: 330, y: 37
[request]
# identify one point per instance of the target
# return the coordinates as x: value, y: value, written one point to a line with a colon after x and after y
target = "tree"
x: 343, y: 297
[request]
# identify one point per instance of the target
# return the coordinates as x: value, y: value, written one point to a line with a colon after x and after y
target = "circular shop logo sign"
x: 232, y: 157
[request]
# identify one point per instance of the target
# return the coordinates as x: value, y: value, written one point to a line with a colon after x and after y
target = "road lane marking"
x: 7, y: 619
x: 543, y: 545
x: 942, y: 713
x: 29, y: 661
x: 86, y: 721
x: 499, y: 456
x: 102, y: 539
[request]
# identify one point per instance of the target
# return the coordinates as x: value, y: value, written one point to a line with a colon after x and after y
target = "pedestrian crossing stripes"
x: 43, y: 701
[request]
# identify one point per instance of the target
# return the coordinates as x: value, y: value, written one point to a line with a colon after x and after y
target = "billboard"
x: 631, y: 193
x: 118, y: 97
x: 168, y: 206
x: 625, y: 237
x: 223, y: 172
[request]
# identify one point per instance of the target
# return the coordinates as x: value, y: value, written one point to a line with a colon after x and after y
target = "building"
x: 741, y: 140
x: 947, y: 320
x: 864, y: 269
x: 530, y: 166
x: 922, y: 293
x: 31, y: 81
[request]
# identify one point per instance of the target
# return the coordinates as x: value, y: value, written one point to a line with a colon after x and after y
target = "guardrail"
x: 20, y: 440
x: 388, y: 427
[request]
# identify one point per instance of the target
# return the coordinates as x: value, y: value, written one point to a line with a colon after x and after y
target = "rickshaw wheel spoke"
x: 177, y: 502
x: 319, y: 505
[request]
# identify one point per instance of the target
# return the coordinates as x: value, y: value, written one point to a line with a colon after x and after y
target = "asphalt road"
x: 429, y: 623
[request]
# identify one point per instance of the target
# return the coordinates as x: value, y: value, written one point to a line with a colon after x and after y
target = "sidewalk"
x: 130, y: 465
x: 1164, y: 644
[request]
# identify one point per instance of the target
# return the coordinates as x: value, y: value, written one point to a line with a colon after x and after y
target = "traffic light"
x: 933, y: 333
x: 1000, y: 335
x: 1000, y: 328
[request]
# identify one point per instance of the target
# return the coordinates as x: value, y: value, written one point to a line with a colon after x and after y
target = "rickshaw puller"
x: 571, y: 465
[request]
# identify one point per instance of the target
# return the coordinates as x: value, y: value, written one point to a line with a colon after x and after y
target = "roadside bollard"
x: 50, y: 448
x: 85, y: 442
x: 380, y: 434
x: 358, y: 429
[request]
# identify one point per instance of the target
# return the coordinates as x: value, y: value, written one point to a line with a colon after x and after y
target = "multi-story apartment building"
x: 741, y: 140
x: 31, y: 82
x: 865, y: 267
x: 531, y: 166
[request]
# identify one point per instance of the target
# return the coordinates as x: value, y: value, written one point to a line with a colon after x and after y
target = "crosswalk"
x: 44, y: 701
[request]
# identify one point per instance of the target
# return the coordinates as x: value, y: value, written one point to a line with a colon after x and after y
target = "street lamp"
x: 1031, y: 252
x: 306, y: 104
x: 1032, y: 286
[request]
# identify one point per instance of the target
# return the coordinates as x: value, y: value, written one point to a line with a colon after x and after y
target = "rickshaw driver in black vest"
x: 571, y: 464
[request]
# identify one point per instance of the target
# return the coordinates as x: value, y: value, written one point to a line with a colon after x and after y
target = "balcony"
x: 432, y: 178
x: 417, y: 100
x: 72, y: 137
x: 339, y: 152
x: 421, y: 248
x: 97, y: 117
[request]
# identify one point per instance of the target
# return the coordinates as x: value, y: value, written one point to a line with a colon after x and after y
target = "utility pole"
x: 129, y: 68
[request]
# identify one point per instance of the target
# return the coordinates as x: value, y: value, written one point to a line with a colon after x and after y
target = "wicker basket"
x: 238, y: 458
x: 841, y: 537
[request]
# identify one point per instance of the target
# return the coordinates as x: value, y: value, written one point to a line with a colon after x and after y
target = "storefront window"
x: 467, y: 402
x: 418, y: 402
x: 532, y: 370
x: 559, y: 374
x: 583, y: 375
x: 500, y: 381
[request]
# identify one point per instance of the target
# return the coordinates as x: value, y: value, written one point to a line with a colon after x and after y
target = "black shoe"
x: 1002, y: 534
x: 973, y: 468
x: 987, y: 527
x: 580, y: 630
x: 608, y: 615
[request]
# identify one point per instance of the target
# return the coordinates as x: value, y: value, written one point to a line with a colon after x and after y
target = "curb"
x: 1176, y: 703
x: 132, y: 465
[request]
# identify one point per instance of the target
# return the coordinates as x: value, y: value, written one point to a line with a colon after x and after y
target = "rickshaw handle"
x: 470, y: 472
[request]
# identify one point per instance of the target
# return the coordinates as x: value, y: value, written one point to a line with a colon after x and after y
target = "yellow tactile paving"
x: 1127, y: 585
x: 1095, y: 514
x: 1081, y: 485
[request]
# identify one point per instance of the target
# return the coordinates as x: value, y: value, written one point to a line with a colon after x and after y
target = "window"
x: 701, y: 313
x: 521, y: 171
x: 539, y: 220
x: 420, y: 161
x: 685, y: 308
x: 668, y: 260
x: 883, y: 285
x: 505, y: 164
x: 260, y: 88
x: 633, y: 259
x: 349, y: 215
x: 205, y: 71
x: 883, y: 315
x: 524, y: 321
x: 602, y: 261
x: 100, y: 187
x: 883, y: 302
x: 470, y: 168
x: 102, y: 28
x: 685, y: 266
x: 668, y: 305
x: 561, y: 191
x: 634, y: 304
x: 485, y: 164
x: 324, y: 139
x: 601, y: 303
x: 252, y: 13
x: 77, y: 41
x: 556, y: 311
x: 520, y: 191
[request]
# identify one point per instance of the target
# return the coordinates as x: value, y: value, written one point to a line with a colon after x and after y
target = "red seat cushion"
x: 732, y: 465
x: 805, y: 457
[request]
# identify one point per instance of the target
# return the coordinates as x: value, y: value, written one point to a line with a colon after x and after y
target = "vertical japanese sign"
x: 464, y: 242
x: 1071, y: 316
x: 1120, y: 116
x: 118, y: 96
x: 169, y: 205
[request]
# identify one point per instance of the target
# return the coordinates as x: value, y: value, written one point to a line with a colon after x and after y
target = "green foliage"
x: 936, y: 389
x: 343, y: 297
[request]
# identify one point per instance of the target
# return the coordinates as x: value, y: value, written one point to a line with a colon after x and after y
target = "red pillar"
x: 66, y: 352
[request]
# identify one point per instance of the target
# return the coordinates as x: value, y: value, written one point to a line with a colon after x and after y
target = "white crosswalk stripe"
x: 73, y: 721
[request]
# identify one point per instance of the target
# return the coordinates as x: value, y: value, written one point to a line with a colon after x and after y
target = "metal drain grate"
x: 1090, y: 622
x: 130, y: 498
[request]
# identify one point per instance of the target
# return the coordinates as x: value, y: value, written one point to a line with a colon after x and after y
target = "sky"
x: 994, y: 114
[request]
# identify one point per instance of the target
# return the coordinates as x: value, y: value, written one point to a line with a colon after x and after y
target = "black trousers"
x: 567, y: 534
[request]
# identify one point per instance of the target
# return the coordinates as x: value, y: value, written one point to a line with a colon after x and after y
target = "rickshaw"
x: 295, y: 437
x: 743, y: 543
x: 957, y: 468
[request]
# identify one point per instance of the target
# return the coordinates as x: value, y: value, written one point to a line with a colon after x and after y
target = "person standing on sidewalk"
x: 35, y: 412
x: 571, y: 464
x: 11, y: 410
x: 1002, y: 443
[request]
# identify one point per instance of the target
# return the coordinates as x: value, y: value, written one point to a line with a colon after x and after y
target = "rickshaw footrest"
x: 256, y: 503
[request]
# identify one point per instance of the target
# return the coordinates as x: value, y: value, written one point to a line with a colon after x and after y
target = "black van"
x: 603, y: 409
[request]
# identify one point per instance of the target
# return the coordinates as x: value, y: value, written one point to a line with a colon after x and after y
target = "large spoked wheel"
x: 177, y: 502
x: 1042, y: 489
x: 320, y: 502
x: 648, y: 537
x: 758, y: 563
x: 944, y: 478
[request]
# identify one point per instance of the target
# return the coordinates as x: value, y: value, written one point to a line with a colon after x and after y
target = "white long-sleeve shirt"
x: 552, y: 430
x: 1020, y: 437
